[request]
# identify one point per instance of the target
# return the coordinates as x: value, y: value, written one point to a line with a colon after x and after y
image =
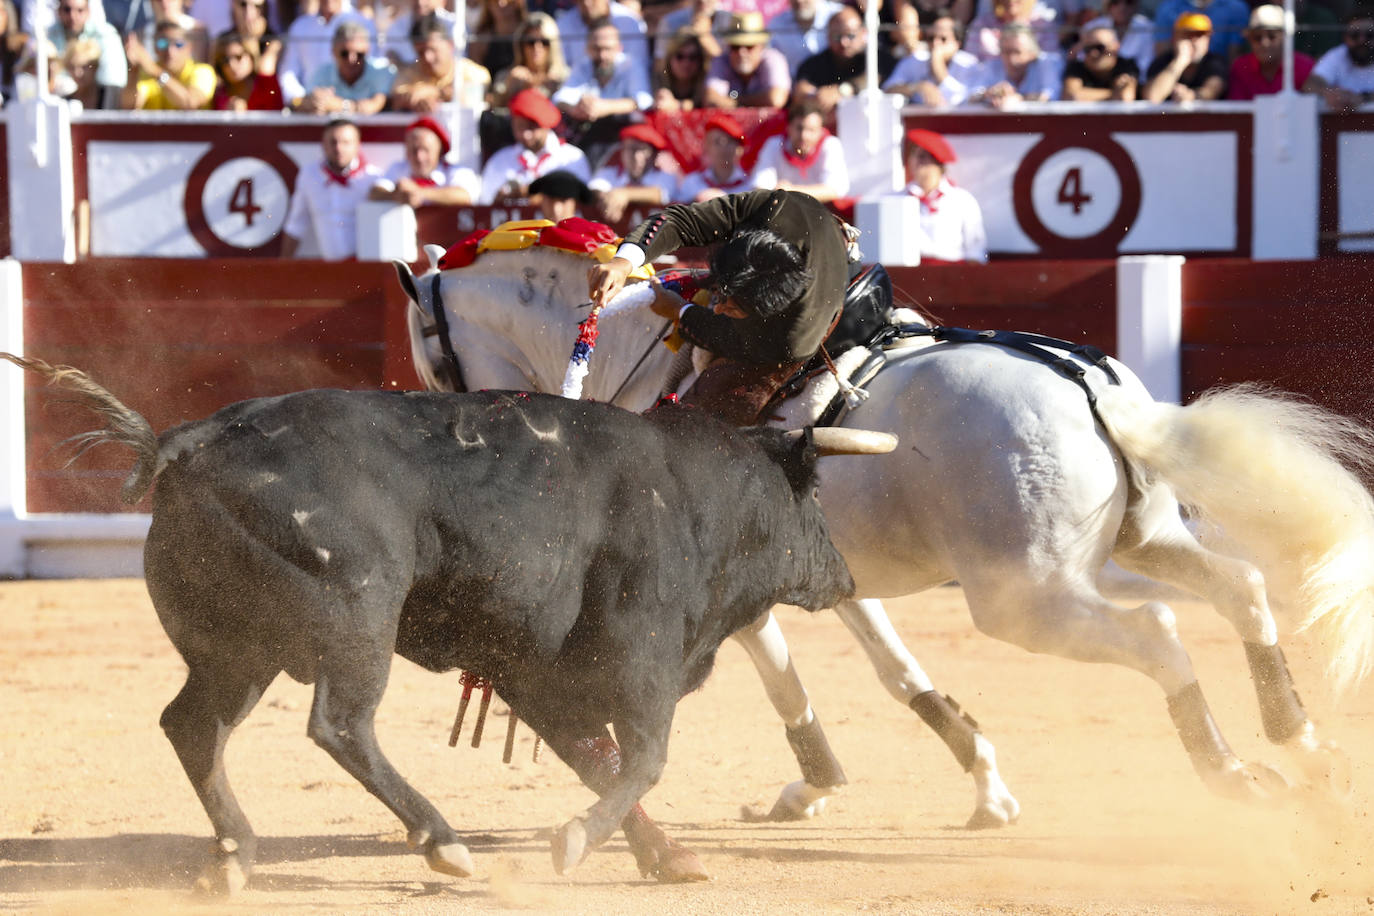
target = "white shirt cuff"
x: 632, y: 253
x: 684, y: 309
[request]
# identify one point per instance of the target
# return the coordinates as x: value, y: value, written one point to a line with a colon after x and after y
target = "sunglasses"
x: 529, y: 42
x: 353, y: 57
x: 1266, y: 35
x: 249, y: 5
x: 72, y: 9
x: 1359, y: 35
x: 162, y: 44
x: 687, y: 55
x: 1098, y: 49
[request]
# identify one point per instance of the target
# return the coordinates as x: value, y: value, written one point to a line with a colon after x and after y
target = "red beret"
x: 932, y: 143
x: 644, y: 133
x: 726, y: 125
x: 434, y: 127
x: 535, y: 106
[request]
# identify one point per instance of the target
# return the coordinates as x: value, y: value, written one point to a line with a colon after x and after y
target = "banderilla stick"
x: 458, y: 719
x: 481, y: 715
x: 510, y: 738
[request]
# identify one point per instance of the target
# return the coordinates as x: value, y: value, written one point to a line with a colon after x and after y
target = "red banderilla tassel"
x: 469, y: 681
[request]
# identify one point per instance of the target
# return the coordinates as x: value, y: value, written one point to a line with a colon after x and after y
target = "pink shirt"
x: 1247, y: 81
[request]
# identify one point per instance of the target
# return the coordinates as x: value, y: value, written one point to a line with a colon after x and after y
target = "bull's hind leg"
x: 216, y: 697
x: 347, y: 693
x: 1155, y: 543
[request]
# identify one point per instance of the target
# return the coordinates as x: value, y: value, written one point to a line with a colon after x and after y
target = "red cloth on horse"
x: 465, y: 252
x: 577, y: 234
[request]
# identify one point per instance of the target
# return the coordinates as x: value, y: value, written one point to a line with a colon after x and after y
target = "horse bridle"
x: 449, y: 363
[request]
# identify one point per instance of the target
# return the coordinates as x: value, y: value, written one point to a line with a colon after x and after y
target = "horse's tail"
x: 1271, y: 472
x: 122, y: 425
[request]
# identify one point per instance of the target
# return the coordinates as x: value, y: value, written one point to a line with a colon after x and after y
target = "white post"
x: 1286, y: 177
x: 1149, y: 321
x: 386, y: 232
x: 873, y: 170
x: 42, y: 195
x: 13, y: 502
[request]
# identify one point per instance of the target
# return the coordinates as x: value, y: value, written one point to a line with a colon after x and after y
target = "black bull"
x: 587, y: 560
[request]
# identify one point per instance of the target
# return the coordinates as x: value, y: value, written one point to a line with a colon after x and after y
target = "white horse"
x: 1007, y: 480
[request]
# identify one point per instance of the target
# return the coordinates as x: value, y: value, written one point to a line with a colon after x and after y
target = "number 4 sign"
x: 1077, y: 200
x: 236, y: 203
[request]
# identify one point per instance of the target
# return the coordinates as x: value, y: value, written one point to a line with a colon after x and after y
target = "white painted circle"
x: 245, y: 202
x: 1076, y: 193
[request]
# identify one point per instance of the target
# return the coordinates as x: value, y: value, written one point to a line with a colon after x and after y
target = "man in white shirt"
x: 425, y: 176
x: 720, y: 173
x: 951, y: 226
x: 800, y: 30
x: 937, y: 75
x: 1344, y: 76
x: 806, y: 157
x: 327, y: 195
x: 634, y: 180
x: 536, y: 151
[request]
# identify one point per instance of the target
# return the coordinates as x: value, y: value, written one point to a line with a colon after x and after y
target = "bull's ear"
x: 407, y: 279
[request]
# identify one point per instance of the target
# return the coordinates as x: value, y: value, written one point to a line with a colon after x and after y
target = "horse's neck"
x: 533, y: 300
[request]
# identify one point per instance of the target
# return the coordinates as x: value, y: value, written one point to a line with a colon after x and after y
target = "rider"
x: 777, y: 278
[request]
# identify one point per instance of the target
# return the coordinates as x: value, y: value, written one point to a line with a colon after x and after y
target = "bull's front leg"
x: 658, y: 855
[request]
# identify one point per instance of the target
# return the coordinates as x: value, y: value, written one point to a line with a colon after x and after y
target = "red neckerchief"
x: 531, y: 161
x: 342, y: 180
x: 803, y: 163
x: 930, y: 200
x: 425, y: 182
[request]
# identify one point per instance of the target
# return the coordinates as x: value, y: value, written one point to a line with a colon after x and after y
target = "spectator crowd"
x: 566, y: 85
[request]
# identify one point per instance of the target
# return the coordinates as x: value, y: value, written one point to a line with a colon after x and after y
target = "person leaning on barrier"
x: 439, y: 73
x: 1261, y: 71
x: 173, y: 79
x: 951, y: 227
x: 325, y: 201
x: 1189, y: 70
x: 938, y: 75
x: 1100, y: 74
x: 749, y: 74
x: 778, y: 277
x: 634, y: 179
x: 353, y: 82
x: 1344, y: 77
x: 96, y: 45
x: 425, y: 176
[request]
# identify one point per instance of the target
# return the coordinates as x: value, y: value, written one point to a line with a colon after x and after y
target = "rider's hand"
x: 605, y: 280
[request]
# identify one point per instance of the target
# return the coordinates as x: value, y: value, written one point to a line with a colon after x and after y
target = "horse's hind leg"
x: 1155, y: 543
x: 1069, y: 618
x: 904, y: 678
x: 822, y: 775
x: 348, y: 688
x: 216, y: 697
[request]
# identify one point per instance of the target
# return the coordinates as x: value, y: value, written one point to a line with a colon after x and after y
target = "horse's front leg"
x: 822, y: 775
x: 904, y: 678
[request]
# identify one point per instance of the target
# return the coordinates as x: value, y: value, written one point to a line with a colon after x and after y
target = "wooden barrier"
x: 176, y: 339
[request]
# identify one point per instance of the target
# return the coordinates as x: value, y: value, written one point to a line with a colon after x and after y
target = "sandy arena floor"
x: 97, y: 817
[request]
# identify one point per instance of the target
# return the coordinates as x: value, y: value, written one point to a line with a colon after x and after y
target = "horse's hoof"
x: 569, y: 845
x: 1248, y: 782
x: 798, y: 801
x: 679, y: 865
x: 225, y: 876
x: 990, y: 816
x: 450, y: 859
x: 1325, y: 766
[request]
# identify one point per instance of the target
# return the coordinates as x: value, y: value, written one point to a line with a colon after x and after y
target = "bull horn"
x: 434, y: 253
x: 833, y: 440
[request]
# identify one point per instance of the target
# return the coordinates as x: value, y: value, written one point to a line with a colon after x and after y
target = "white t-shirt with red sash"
x: 825, y: 165
x: 951, y: 224
x: 446, y: 175
x: 325, y: 204
x: 516, y: 163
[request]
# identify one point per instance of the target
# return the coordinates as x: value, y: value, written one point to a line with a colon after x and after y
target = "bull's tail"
x: 1271, y: 471
x: 122, y: 425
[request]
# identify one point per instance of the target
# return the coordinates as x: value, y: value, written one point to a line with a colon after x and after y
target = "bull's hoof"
x: 679, y: 865
x: 225, y: 876
x: 1246, y: 782
x: 450, y: 859
x: 569, y: 846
